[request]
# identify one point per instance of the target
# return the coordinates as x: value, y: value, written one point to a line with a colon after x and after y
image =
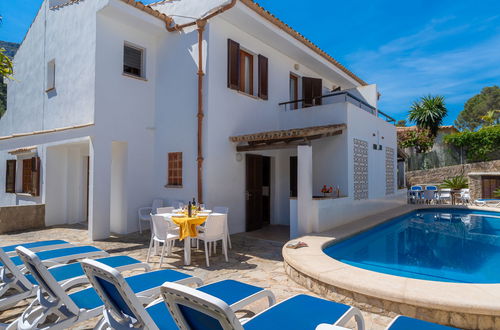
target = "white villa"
x: 115, y: 104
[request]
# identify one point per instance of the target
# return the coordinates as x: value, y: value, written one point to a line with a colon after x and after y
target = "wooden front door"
x: 254, y: 183
x: 488, y: 185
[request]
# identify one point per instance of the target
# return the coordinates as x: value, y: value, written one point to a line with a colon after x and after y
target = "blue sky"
x: 408, y: 48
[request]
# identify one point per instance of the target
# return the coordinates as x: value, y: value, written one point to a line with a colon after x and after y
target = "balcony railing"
x: 336, y: 97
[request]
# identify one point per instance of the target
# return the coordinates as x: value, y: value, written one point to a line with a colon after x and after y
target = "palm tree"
x: 491, y: 117
x: 428, y: 112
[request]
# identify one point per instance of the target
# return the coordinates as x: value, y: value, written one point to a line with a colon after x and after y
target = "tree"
x: 401, y: 123
x: 428, y: 113
x: 476, y: 107
x: 491, y: 118
x: 6, y: 67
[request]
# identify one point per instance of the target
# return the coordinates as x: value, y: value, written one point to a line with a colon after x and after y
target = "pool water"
x: 447, y: 245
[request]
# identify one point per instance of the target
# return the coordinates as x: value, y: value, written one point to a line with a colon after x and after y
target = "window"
x: 246, y: 72
x: 51, y: 75
x: 133, y: 62
x: 26, y: 176
x: 31, y: 176
x: 174, y: 169
x: 10, y: 176
x: 294, y: 91
x: 240, y: 71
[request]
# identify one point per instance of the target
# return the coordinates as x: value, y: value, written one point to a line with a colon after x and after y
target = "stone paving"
x: 251, y: 260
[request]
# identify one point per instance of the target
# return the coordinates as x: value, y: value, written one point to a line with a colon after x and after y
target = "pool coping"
x: 311, y: 266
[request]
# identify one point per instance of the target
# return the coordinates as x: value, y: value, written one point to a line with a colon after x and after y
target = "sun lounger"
x: 37, y: 246
x: 124, y: 311
x: 487, y: 202
x: 200, y: 310
x: 66, y: 310
x: 62, y: 256
x: 405, y: 323
x: 25, y: 285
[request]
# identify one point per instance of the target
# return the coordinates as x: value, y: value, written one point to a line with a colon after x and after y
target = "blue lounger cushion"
x: 230, y: 291
x: 161, y: 316
x: 405, y: 323
x: 301, y: 312
x: 12, y: 248
x: 89, y: 299
x: 51, y: 254
x: 65, y: 272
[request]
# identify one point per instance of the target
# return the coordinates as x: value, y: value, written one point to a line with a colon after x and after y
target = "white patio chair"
x: 163, y: 210
x: 444, y: 195
x: 213, y: 231
x: 178, y: 204
x: 429, y: 196
x: 465, y: 196
x: 224, y: 210
x: 145, y: 212
x: 163, y: 233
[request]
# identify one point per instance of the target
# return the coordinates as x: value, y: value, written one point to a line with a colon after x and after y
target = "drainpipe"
x: 201, y: 27
x: 200, y: 23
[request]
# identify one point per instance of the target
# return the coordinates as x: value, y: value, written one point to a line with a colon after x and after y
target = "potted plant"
x: 455, y: 183
x: 326, y: 191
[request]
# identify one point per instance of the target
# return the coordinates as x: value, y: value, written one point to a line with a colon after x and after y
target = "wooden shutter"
x: 233, y: 64
x: 10, y: 176
x: 27, y: 176
x: 35, y: 176
x: 307, y: 92
x: 317, y: 90
x: 263, y: 77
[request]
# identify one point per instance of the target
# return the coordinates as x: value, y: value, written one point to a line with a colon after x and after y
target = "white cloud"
x: 438, y: 59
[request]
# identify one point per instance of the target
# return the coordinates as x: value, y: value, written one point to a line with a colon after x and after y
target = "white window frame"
x: 51, y: 75
x: 143, y: 60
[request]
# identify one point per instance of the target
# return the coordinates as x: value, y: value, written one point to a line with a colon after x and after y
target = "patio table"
x: 187, y: 230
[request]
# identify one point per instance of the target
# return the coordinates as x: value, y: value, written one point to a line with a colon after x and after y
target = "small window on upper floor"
x: 51, y: 75
x: 133, y: 61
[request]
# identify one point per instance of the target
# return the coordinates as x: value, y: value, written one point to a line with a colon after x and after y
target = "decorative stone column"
x: 475, y: 186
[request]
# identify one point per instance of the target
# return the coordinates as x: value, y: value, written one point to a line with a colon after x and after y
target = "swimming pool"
x: 446, y: 245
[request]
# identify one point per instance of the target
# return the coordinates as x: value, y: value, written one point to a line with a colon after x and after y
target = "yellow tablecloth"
x: 187, y: 226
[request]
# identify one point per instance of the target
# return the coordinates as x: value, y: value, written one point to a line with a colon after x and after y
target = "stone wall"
x: 17, y: 218
x: 437, y: 175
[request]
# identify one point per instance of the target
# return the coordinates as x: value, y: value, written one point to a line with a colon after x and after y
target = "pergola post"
x: 99, y: 189
x: 304, y: 190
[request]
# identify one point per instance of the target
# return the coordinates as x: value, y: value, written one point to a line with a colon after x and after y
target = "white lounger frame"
x: 25, y: 289
x: 51, y: 299
x: 43, y: 248
x: 64, y: 259
x: 113, y: 317
x: 175, y: 295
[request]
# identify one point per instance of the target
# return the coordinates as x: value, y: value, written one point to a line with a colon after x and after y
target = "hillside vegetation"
x: 11, y: 49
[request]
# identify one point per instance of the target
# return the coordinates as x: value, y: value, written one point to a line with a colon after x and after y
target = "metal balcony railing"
x: 336, y: 97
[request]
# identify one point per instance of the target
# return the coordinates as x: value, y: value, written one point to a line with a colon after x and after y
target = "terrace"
x: 252, y: 260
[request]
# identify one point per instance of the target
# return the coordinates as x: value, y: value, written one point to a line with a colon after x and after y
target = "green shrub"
x: 478, y: 145
x: 456, y: 183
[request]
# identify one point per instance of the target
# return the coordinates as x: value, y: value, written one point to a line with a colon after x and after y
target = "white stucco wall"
x: 52, y: 33
x: 125, y: 111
